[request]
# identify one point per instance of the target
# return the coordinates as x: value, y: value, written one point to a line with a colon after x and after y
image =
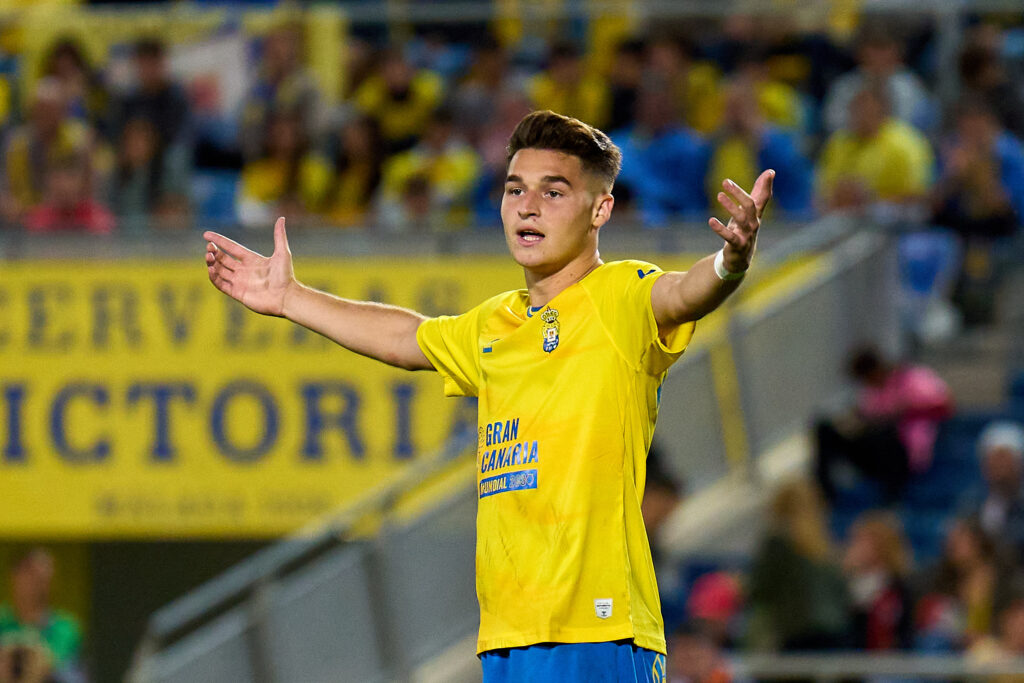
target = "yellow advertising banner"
x: 138, y: 401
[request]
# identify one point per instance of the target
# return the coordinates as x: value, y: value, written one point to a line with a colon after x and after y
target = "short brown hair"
x: 548, y: 130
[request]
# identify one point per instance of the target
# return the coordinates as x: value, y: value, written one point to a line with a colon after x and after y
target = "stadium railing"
x: 826, y: 668
x: 375, y: 600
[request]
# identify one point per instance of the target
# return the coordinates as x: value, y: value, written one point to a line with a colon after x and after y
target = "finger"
x: 730, y: 205
x: 763, y: 190
x: 220, y: 282
x: 219, y: 260
x: 724, y: 232
x: 233, y: 248
x: 280, y: 238
x: 739, y: 195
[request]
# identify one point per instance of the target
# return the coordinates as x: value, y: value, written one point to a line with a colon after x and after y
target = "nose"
x: 528, y: 206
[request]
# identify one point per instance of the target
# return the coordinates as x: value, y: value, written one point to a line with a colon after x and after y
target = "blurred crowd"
x: 835, y: 567
x: 875, y: 124
x: 417, y: 140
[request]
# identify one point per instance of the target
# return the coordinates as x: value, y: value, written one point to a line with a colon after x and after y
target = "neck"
x: 544, y: 287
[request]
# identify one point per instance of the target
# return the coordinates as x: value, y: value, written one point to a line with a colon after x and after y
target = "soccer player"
x: 567, y: 372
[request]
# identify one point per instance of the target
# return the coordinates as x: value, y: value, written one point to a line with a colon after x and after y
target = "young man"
x: 567, y: 372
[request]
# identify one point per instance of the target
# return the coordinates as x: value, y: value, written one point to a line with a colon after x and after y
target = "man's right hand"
x: 268, y: 286
x: 261, y: 283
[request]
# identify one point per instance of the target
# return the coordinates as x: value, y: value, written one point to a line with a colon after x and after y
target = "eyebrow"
x: 548, y: 179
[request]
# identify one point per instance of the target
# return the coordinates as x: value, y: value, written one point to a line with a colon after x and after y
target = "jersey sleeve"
x: 450, y: 344
x: 625, y: 305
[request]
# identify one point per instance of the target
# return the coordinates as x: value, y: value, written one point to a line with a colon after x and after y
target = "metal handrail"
x: 845, y: 665
x: 269, y: 562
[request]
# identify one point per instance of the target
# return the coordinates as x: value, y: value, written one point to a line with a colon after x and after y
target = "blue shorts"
x: 618, y: 661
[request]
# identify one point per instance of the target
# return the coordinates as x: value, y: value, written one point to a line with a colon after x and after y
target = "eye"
x: 515, y: 191
x: 554, y: 193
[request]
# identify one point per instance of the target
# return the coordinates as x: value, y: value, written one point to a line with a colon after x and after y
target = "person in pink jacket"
x: 890, y: 434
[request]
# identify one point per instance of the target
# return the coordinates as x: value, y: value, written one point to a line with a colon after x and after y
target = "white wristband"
x: 722, y: 272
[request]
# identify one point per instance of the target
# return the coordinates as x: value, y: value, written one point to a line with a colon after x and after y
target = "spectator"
x: 714, y: 601
x: 45, y: 643
x: 48, y: 135
x: 282, y: 84
x: 149, y: 183
x: 969, y: 575
x: 877, y: 566
x: 661, y: 494
x: 566, y: 88
x: 84, y: 94
x: 877, y: 159
x: 797, y: 594
x: 695, y: 657
x: 779, y: 103
x: 880, y: 64
x: 980, y: 192
x: 155, y: 97
x: 449, y: 168
x: 68, y: 205
x: 891, y: 432
x: 693, y: 87
x: 663, y: 163
x: 400, y: 99
x: 984, y: 80
x: 746, y: 143
x: 979, y: 195
x: 357, y: 168
x: 627, y: 72
x: 511, y: 106
x: 998, y: 504
x: 475, y: 100
x: 287, y: 179
x: 1007, y: 644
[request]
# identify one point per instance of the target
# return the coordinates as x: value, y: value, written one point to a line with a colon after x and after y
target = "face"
x: 867, y: 114
x: 1012, y: 627
x: 283, y: 136
x: 879, y: 58
x: 356, y: 137
x: 1002, y: 469
x: 138, y: 143
x: 976, y: 129
x: 962, y: 546
x: 552, y: 210
x: 30, y: 582
x: 862, y: 553
x: 691, y: 657
x: 66, y: 186
x: 150, y: 70
x: 47, y: 112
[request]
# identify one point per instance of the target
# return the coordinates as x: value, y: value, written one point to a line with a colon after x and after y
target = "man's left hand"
x: 745, y: 212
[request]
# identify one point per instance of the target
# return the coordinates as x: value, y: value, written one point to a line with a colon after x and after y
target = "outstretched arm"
x: 681, y: 297
x: 268, y: 286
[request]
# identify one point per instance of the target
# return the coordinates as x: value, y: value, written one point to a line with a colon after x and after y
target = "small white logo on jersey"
x: 603, y: 607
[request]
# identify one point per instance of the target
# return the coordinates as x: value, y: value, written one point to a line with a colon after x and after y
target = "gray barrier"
x: 689, y: 433
x: 220, y: 652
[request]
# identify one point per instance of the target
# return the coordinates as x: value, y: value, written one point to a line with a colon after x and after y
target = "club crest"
x: 549, y: 333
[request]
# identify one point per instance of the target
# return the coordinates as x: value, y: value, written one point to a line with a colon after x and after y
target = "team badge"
x: 550, y: 330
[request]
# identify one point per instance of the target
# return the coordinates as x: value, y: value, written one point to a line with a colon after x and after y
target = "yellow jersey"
x: 895, y: 164
x: 568, y: 397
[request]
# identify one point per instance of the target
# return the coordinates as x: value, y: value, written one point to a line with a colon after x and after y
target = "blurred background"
x: 189, y: 492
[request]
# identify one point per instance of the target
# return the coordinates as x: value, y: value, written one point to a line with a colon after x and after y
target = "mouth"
x: 529, y: 236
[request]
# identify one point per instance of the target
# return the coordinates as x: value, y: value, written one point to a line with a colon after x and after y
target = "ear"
x: 603, y: 205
